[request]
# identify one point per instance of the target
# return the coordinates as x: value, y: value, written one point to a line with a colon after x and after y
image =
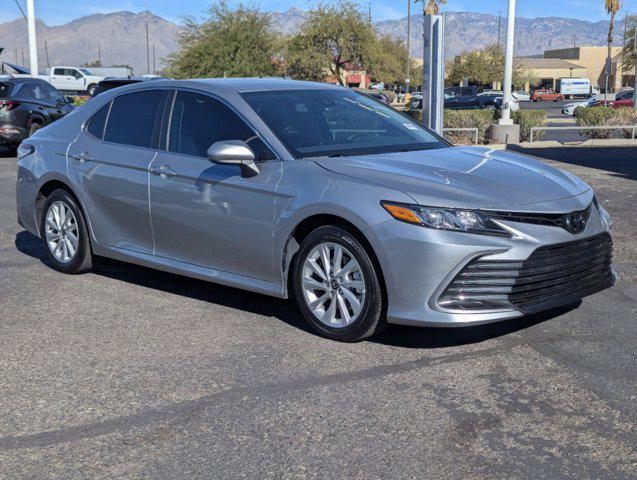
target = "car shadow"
x: 286, y: 311
x: 618, y: 160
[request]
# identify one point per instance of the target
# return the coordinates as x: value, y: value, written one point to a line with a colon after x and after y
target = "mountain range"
x: 120, y: 38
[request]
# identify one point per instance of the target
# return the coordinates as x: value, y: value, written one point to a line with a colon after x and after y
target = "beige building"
x: 587, y: 62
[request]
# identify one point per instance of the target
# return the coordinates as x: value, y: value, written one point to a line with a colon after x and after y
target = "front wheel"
x: 64, y: 234
x: 337, y: 287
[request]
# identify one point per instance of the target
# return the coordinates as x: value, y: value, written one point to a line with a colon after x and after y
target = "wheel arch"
x: 304, y: 227
x: 48, y: 187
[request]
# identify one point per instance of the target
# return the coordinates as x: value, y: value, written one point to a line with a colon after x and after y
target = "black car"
x: 379, y: 96
x: 114, y: 82
x: 26, y: 105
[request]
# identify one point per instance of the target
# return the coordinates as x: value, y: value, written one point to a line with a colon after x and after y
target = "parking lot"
x: 132, y: 373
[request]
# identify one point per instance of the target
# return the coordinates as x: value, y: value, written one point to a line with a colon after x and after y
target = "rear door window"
x: 134, y: 118
x: 33, y: 91
x: 59, y: 71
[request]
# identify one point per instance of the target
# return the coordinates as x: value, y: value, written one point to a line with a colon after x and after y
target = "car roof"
x: 233, y: 85
x: 21, y: 80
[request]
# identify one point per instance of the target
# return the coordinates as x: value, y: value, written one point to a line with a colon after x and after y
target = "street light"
x: 508, y: 67
x: 33, y: 47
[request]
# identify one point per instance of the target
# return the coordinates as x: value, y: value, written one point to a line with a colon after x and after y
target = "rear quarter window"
x: 5, y: 90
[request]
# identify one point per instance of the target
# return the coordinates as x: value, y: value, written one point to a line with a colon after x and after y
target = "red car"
x: 546, y: 94
x: 623, y: 99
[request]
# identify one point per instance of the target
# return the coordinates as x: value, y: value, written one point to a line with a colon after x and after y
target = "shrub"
x: 595, y: 116
x: 480, y: 119
x: 624, y: 116
x: 415, y: 114
x: 528, y: 119
x: 80, y: 100
x: 390, y: 95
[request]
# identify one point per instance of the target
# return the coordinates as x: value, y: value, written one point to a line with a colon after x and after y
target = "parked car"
x: 263, y: 184
x: 569, y: 108
x: 379, y: 96
x: 623, y: 99
x: 521, y: 96
x: 514, y: 105
x: 115, y: 82
x: 72, y: 79
x: 544, y: 95
x: 26, y: 105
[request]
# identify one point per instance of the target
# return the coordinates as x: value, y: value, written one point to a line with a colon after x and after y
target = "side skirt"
x: 190, y: 270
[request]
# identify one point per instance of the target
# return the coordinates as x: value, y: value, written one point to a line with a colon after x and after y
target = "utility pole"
x: 99, y: 54
x: 154, y: 61
x: 46, y: 50
x: 147, y: 51
x: 508, y: 66
x: 33, y: 46
x: 408, y: 78
x: 16, y: 54
x: 499, y: 27
x: 24, y: 64
x: 635, y: 53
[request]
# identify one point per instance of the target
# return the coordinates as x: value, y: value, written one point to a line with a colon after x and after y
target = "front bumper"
x: 419, y: 264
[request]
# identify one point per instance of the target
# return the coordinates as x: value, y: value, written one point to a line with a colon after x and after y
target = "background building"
x: 587, y: 62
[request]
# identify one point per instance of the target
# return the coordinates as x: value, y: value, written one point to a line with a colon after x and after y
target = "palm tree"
x: 432, y: 7
x: 612, y: 7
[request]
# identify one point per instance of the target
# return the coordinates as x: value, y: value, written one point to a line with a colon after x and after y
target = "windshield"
x: 85, y: 71
x: 338, y: 122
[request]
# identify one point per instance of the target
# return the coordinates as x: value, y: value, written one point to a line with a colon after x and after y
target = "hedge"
x: 528, y: 119
x: 480, y: 119
x: 608, y: 116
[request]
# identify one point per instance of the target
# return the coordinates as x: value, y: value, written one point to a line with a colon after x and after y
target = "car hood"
x: 467, y: 177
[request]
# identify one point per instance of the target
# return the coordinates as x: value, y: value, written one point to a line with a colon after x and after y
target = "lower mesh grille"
x: 551, y: 276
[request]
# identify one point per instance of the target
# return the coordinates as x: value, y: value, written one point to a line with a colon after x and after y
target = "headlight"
x: 469, y: 221
x: 25, y: 149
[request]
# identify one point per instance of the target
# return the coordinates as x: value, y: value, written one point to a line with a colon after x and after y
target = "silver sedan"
x: 304, y: 190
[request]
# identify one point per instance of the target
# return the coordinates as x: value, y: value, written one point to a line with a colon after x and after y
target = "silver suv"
x: 313, y: 191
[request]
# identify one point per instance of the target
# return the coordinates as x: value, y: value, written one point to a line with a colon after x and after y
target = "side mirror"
x: 69, y: 100
x: 234, y: 152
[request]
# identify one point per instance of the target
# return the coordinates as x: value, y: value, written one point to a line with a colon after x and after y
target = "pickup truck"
x: 72, y: 79
x: 467, y: 98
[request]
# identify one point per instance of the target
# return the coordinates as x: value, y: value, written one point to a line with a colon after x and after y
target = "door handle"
x: 82, y: 157
x: 164, y: 171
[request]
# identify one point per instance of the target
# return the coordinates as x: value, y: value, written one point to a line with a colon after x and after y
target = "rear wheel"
x: 337, y: 286
x: 91, y: 89
x: 64, y: 234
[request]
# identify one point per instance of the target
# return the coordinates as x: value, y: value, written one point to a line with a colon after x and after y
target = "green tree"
x: 388, y: 60
x: 628, y: 53
x: 485, y: 67
x: 229, y: 43
x: 94, y: 64
x: 334, y: 37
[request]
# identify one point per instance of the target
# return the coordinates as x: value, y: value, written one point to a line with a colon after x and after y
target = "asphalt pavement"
x: 129, y: 372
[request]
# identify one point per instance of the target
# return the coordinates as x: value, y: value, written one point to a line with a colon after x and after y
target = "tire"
x: 34, y: 128
x: 81, y: 261
x: 370, y: 318
x: 91, y: 89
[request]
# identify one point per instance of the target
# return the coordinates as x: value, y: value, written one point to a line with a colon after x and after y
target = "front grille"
x: 549, y: 219
x: 551, y: 276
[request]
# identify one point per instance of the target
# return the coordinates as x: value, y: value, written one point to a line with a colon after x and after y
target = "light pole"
x: 635, y: 53
x: 33, y: 46
x: 508, y: 67
x: 407, y: 78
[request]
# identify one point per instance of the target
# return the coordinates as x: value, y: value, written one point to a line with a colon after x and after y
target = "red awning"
x: 354, y: 79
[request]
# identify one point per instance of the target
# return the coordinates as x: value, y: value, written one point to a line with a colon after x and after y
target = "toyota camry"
x: 316, y: 192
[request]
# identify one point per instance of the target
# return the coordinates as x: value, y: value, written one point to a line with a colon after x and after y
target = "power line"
x: 20, y: 8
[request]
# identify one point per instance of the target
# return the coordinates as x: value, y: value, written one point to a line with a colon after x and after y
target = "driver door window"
x: 198, y: 121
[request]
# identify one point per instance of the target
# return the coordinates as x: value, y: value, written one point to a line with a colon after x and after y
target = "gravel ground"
x: 132, y: 373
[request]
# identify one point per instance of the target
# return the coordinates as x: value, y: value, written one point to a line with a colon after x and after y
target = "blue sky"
x: 55, y: 12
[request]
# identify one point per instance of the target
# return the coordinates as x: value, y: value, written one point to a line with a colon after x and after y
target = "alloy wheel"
x: 61, y: 232
x: 333, y: 285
